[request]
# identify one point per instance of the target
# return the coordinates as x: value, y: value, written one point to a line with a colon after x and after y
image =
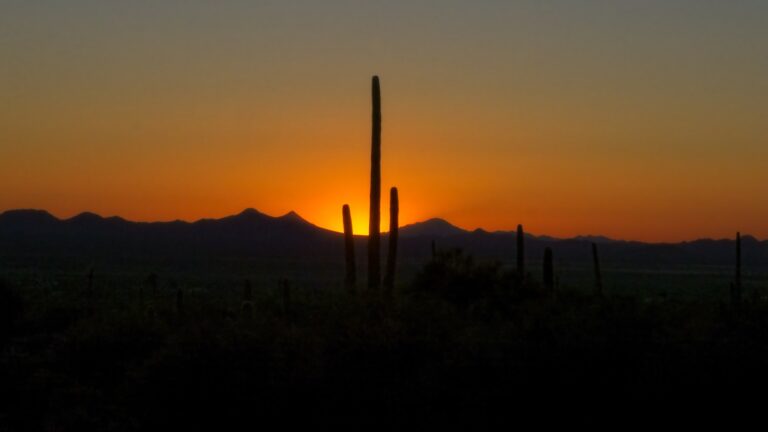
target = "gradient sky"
x: 635, y: 119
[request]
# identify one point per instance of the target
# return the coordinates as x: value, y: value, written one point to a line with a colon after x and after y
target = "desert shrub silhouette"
x: 455, y: 276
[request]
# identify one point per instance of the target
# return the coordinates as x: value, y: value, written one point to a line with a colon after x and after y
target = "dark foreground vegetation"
x: 461, y: 344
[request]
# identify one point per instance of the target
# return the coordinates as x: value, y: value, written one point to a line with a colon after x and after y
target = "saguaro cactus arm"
x: 394, y: 209
x: 349, y: 249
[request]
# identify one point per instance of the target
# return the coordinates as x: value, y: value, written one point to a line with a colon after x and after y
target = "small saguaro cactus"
x: 433, y: 248
x: 285, y: 291
x: 349, y: 249
x: 90, y: 301
x: 549, y: 275
x: 179, y: 299
x: 598, y: 276
x: 520, y: 253
x: 394, y: 209
x: 736, y: 285
x: 90, y: 281
x: 152, y: 282
x: 374, y: 236
x: 247, y: 306
x: 247, y: 291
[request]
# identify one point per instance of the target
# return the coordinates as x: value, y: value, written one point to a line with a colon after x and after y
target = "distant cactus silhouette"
x: 89, y: 293
x: 180, y: 301
x: 247, y: 305
x: 433, y: 247
x: 549, y: 276
x: 520, y: 253
x: 247, y: 291
x: 90, y: 281
x: 736, y: 285
x: 394, y: 209
x: 150, y: 312
x: 349, y: 249
x: 152, y: 281
x: 285, y: 291
x: 374, y: 272
x: 247, y: 310
x: 598, y: 276
x: 179, y: 297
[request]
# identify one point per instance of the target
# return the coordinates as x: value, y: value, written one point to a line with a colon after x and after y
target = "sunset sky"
x: 641, y: 120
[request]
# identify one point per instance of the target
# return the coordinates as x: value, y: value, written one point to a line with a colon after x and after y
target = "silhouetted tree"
x: 394, y: 208
x: 549, y: 276
x: 349, y: 249
x: 520, y: 253
x: 374, y: 272
x: 598, y: 276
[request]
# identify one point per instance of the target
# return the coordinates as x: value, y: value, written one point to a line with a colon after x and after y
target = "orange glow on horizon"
x: 492, y: 115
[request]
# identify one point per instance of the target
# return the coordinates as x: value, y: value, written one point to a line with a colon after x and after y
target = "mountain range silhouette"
x: 255, y: 234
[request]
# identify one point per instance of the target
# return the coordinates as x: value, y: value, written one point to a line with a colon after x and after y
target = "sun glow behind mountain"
x: 638, y: 120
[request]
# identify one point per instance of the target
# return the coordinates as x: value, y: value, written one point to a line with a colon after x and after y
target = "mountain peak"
x: 85, y: 217
x: 292, y: 215
x: 250, y: 211
x: 27, y: 215
x: 434, y: 227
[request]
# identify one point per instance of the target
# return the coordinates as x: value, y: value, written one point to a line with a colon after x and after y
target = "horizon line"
x: 295, y: 213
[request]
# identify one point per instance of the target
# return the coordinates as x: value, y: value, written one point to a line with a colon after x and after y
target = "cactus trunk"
x: 394, y: 209
x: 374, y: 240
x: 736, y: 288
x: 180, y: 302
x: 349, y: 249
x: 247, y: 291
x: 549, y: 276
x: 520, y: 253
x: 285, y: 288
x: 598, y: 276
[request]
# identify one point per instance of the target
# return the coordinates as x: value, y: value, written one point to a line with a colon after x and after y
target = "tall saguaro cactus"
x: 520, y: 253
x: 374, y: 240
x: 598, y: 276
x: 349, y: 249
x: 549, y: 272
x: 394, y: 209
